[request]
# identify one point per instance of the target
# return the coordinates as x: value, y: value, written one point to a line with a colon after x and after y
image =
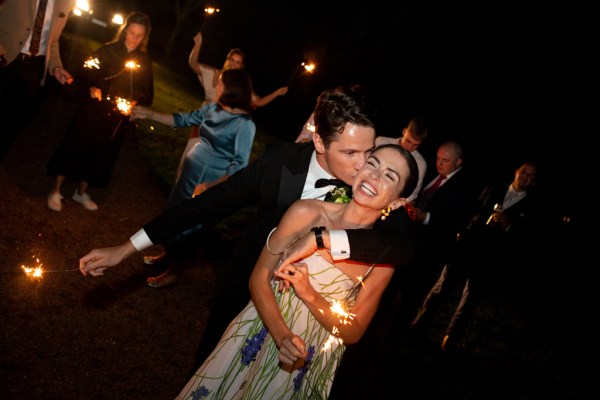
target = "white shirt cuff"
x: 427, y: 217
x: 340, y: 247
x: 140, y: 240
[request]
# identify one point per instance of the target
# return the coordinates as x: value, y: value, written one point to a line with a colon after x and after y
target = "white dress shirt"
x: 45, y: 31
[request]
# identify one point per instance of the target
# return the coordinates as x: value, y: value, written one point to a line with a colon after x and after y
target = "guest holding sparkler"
x: 226, y: 137
x: 289, y: 343
x: 116, y: 76
x: 208, y: 75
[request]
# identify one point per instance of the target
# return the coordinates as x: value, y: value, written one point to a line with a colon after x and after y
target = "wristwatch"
x: 318, y: 230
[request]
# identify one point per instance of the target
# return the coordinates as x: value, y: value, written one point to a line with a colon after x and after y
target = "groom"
x: 344, y: 136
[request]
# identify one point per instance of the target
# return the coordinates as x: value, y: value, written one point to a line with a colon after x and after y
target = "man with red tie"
x: 29, y: 51
x: 442, y: 209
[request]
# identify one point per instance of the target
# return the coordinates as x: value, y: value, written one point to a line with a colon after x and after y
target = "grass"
x: 162, y: 146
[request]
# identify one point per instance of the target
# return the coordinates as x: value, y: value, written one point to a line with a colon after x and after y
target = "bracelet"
x: 288, y: 246
x: 318, y: 230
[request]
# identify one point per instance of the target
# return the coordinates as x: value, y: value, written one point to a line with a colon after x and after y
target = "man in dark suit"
x: 506, y: 217
x: 442, y: 210
x: 23, y: 70
x: 344, y: 136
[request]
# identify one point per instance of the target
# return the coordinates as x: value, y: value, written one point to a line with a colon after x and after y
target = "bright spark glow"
x: 211, y: 10
x: 310, y: 68
x: 118, y: 19
x: 123, y: 105
x: 132, y: 65
x: 92, y: 63
x: 339, y: 309
x: 34, y: 272
x: 332, y: 339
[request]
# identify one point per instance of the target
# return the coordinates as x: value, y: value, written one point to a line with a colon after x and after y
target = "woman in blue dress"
x: 226, y: 137
x: 288, y: 343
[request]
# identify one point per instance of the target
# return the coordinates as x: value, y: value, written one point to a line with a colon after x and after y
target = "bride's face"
x: 380, y: 181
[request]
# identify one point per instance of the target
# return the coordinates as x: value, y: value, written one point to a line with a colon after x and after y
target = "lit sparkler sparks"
x: 37, y: 272
x: 123, y: 105
x: 303, y: 68
x: 33, y: 272
x: 208, y: 11
x: 92, y: 63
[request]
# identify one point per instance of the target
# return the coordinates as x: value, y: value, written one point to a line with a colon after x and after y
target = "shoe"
x: 155, y: 260
x: 167, y: 278
x: 54, y: 201
x: 85, y: 200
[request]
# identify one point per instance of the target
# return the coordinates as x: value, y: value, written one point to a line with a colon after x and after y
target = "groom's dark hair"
x: 338, y: 106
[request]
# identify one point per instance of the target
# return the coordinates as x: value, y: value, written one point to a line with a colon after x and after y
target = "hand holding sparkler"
x: 97, y: 261
x: 62, y: 75
x: 292, y: 351
x: 303, y: 67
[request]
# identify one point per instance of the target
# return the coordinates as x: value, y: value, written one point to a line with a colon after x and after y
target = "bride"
x: 289, y: 340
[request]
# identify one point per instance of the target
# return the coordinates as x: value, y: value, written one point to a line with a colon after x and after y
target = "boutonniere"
x: 339, y: 194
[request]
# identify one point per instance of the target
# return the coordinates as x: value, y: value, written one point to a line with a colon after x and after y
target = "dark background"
x: 495, y: 76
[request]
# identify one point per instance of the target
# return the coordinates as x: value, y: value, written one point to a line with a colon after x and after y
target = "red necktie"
x: 36, y: 36
x: 428, y: 193
x: 436, y: 184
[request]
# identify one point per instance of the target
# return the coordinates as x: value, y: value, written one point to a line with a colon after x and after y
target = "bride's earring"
x: 386, y: 213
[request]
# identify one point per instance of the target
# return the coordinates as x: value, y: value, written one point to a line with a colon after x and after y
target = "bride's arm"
x: 362, y: 311
x: 291, y: 347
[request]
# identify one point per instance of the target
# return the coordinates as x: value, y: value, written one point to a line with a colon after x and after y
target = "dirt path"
x: 67, y: 336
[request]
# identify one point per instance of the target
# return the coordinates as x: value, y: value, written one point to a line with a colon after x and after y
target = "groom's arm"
x: 388, y: 242
x: 218, y: 202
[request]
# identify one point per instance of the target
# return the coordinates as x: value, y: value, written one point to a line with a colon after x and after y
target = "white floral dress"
x: 245, y: 363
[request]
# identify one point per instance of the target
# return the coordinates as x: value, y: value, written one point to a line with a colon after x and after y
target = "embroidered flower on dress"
x: 253, y: 346
x: 200, y: 393
x: 301, y: 371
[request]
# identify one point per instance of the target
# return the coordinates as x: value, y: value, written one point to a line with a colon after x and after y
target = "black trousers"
x: 20, y: 96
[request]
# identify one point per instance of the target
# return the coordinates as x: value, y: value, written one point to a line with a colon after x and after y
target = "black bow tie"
x: 329, y: 182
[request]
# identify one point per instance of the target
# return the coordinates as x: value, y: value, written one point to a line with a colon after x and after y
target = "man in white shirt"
x: 23, y: 73
x: 412, y: 137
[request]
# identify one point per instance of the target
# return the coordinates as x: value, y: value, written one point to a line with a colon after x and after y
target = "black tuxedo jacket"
x: 272, y: 183
x: 523, y: 216
x: 452, y: 206
x: 450, y: 210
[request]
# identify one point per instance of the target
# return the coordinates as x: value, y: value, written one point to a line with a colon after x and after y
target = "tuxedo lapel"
x: 290, y: 187
x: 293, y: 176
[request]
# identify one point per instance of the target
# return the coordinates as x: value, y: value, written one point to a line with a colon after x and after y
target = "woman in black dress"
x: 119, y: 72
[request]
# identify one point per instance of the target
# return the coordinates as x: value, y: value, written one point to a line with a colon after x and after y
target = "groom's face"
x: 347, y: 154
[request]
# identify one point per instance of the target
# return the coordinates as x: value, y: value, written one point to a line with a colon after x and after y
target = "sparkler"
x: 92, y: 63
x: 37, y: 271
x: 340, y: 308
x: 208, y: 11
x: 304, y: 68
x: 131, y: 65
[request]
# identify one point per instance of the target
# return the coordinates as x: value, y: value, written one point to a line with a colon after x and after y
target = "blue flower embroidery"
x: 301, y: 371
x: 253, y: 346
x: 200, y: 393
